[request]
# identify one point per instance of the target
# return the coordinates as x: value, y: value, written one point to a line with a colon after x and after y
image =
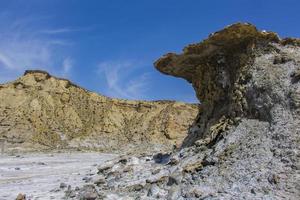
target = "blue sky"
x: 109, y: 46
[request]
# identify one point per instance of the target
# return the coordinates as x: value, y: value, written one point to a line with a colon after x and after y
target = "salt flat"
x: 39, y: 175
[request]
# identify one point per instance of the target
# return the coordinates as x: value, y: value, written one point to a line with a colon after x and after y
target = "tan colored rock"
x: 21, y: 196
x: 41, y: 111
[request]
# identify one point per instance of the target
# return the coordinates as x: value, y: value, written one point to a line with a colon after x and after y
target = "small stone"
x: 161, y: 158
x: 197, y: 193
x: 172, y: 181
x: 87, y: 179
x: 21, y: 196
x: 41, y: 163
x: 62, y: 185
x: 173, y: 161
x: 273, y: 179
x: 99, y: 181
x: 128, y: 169
x: 137, y: 187
x: 88, y: 192
x: 265, y: 189
x: 296, y: 76
x: 192, y: 167
x: 281, y: 59
x: 156, y: 171
x: 55, y: 190
x: 104, y: 167
x: 123, y: 160
x: 17, y: 168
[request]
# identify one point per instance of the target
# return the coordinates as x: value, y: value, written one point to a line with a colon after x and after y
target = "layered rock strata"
x: 39, y: 111
x: 238, y: 72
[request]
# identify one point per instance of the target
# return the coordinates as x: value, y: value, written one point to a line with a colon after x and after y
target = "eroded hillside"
x: 39, y: 111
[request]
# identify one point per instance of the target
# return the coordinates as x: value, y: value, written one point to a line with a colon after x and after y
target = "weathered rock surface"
x: 39, y: 111
x: 245, y: 142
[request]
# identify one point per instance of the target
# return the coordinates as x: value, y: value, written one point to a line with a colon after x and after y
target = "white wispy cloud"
x: 17, y: 54
x: 5, y: 61
x: 122, y: 81
x: 65, y: 30
x: 58, y: 31
x: 22, y: 47
x: 67, y: 65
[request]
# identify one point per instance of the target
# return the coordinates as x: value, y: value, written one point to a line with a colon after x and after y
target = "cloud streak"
x: 121, y: 80
x: 22, y: 47
x: 67, y: 66
x: 58, y: 31
x: 64, y: 30
x: 5, y: 61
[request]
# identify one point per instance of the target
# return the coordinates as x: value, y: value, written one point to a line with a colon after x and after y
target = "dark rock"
x: 62, y: 185
x: 281, y: 59
x: 77, y: 188
x: 41, y: 163
x: 172, y: 181
x: 296, y: 76
x: 273, y: 179
x: 161, y: 158
x: 123, y: 160
x: 87, y: 179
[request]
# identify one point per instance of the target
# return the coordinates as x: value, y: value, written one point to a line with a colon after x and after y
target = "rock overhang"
x: 233, y: 39
x: 224, y: 70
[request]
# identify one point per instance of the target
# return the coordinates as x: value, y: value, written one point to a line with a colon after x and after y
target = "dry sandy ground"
x: 39, y: 175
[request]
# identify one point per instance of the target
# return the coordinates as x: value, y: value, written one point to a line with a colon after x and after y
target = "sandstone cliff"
x: 238, y: 72
x: 245, y: 142
x: 39, y: 111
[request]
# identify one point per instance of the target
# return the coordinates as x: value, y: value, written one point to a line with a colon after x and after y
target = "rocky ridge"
x: 41, y: 112
x: 244, y: 143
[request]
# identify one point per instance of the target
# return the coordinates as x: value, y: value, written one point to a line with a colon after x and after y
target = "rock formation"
x: 39, y: 111
x: 237, y: 73
x: 245, y: 141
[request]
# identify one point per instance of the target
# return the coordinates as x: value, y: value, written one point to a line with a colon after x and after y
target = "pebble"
x: 62, y: 185
x: 87, y: 179
x: 41, y: 163
x: 88, y: 192
x: 21, y: 196
x: 99, y: 180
